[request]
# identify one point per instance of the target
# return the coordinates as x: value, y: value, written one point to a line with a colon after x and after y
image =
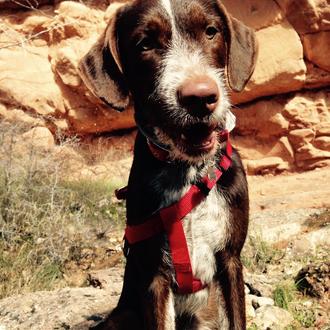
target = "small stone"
x: 303, y: 246
x: 262, y: 166
x: 250, y: 312
x: 308, y: 304
x: 322, y: 142
x: 262, y: 301
x: 40, y: 137
x: 65, y: 64
x: 323, y: 129
x: 259, y: 284
x: 272, y: 317
x: 40, y: 240
x: 300, y: 137
x: 246, y: 289
x: 316, y: 47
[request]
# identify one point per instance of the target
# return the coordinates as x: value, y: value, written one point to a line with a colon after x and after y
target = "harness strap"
x: 169, y: 219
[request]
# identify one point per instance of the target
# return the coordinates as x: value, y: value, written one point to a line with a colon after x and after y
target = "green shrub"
x: 45, y: 212
x: 284, y: 294
x: 258, y: 254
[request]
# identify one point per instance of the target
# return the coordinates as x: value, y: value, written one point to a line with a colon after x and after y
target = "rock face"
x: 81, y: 308
x: 69, y: 308
x: 272, y: 317
x: 52, y: 41
x: 285, y: 133
x: 283, y: 113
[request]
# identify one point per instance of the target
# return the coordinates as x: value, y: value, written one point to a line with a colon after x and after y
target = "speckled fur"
x: 116, y: 69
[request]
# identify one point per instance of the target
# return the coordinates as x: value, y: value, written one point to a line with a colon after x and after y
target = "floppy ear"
x: 101, y: 71
x: 241, y: 52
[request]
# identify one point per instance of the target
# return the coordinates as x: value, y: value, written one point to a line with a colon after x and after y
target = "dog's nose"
x: 199, y: 96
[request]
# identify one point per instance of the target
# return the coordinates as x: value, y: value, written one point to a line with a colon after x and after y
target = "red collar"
x: 157, y: 152
x: 168, y: 220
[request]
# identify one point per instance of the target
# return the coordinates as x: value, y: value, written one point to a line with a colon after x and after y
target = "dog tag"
x: 211, y: 174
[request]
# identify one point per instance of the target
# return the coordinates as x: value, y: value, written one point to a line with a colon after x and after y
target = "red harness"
x: 169, y: 219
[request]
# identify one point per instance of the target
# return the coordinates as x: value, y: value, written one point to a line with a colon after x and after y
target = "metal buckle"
x: 211, y: 174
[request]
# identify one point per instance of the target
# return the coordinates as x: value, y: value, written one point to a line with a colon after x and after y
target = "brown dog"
x: 176, y: 59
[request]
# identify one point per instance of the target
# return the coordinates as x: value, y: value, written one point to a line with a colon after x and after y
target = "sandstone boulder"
x: 306, y: 110
x: 69, y: 308
x: 27, y: 81
x: 262, y: 118
x: 307, y: 16
x: 266, y: 165
x: 280, y: 66
x: 50, y: 86
x: 323, y: 129
x: 272, y: 317
x: 322, y: 142
x: 77, y: 20
x: 317, y: 48
x: 261, y: 157
x: 254, y: 13
x: 39, y: 137
x: 65, y: 64
x: 299, y: 137
x: 315, y: 76
x: 309, y: 152
x: 284, y: 132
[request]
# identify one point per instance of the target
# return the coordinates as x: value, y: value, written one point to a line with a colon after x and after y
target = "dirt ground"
x: 290, y: 191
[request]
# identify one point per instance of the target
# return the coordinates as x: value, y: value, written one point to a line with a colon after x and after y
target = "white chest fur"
x: 206, y: 233
x: 205, y: 228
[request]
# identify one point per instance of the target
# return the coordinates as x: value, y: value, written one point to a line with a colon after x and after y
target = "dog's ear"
x: 101, y: 71
x: 242, y: 50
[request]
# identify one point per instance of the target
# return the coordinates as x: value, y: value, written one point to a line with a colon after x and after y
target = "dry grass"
x: 257, y: 254
x: 288, y: 297
x: 45, y: 219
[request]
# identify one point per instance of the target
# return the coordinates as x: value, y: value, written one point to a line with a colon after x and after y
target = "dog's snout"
x: 199, y: 96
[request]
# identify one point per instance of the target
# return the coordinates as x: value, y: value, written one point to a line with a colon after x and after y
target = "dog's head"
x: 175, y: 59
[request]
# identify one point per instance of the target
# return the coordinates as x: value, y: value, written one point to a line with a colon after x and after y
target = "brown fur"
x: 115, y: 70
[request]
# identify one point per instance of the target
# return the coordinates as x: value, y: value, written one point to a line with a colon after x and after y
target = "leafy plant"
x: 257, y: 254
x: 45, y: 214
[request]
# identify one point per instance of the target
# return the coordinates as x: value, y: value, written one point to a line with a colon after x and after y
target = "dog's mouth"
x: 198, y: 139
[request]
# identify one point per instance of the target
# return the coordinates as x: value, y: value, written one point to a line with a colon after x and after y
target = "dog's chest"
x: 205, y: 229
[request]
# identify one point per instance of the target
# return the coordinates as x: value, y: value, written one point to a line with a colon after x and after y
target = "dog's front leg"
x: 159, y: 305
x: 230, y: 279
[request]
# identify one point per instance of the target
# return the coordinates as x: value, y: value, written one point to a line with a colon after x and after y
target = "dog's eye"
x: 145, y: 44
x: 211, y: 31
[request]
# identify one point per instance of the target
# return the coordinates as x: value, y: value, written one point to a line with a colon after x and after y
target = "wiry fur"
x: 149, y: 51
x: 204, y: 239
x: 183, y: 61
